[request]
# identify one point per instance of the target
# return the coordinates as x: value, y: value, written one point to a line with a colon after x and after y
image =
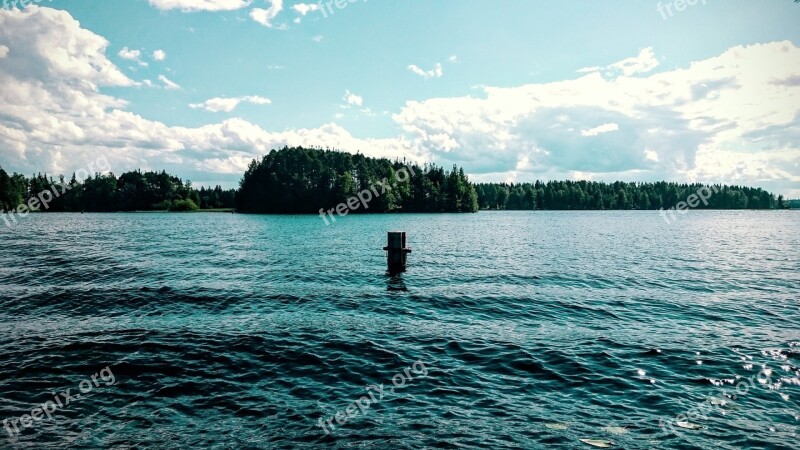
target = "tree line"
x: 303, y: 180
x: 132, y: 191
x: 592, y: 195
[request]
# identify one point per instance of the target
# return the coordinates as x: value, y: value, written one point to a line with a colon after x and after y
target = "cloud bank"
x: 731, y: 117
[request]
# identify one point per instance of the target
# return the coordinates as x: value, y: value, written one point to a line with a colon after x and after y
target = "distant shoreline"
x: 232, y: 211
x: 290, y: 180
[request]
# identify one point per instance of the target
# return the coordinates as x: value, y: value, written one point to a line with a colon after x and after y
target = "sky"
x: 512, y: 90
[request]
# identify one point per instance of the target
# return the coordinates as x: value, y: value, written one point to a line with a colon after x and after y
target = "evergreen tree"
x: 581, y: 195
x: 300, y: 180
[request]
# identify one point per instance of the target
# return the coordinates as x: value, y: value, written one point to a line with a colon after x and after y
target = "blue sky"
x: 512, y: 90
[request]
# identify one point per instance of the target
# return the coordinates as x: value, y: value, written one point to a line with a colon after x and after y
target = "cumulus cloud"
x: 200, y: 5
x: 436, y: 72
x: 735, y: 117
x: 222, y: 104
x: 56, y: 119
x: 159, y: 55
x: 266, y: 16
x: 732, y: 117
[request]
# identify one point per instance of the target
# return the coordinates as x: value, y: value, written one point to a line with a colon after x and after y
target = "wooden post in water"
x: 397, y: 251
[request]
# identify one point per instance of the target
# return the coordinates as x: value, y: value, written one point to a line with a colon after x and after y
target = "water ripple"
x: 537, y: 329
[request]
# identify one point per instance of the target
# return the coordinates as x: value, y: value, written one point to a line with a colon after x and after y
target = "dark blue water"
x: 535, y: 330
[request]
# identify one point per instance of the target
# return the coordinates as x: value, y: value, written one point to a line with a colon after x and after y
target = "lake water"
x: 535, y: 330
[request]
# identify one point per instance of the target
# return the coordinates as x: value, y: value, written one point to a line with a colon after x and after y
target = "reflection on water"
x: 394, y: 282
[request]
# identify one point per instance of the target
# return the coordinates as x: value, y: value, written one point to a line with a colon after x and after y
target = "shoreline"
x: 232, y: 211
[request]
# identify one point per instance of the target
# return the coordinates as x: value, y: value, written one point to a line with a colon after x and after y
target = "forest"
x: 592, y: 195
x: 302, y: 180
x: 132, y: 191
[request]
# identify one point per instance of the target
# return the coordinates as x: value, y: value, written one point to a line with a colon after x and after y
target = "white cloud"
x: 352, y: 99
x: 256, y: 100
x: 223, y: 104
x: 579, y: 176
x: 132, y: 55
x: 169, y: 84
x: 650, y: 155
x: 266, y: 16
x: 159, y: 55
x: 735, y: 116
x: 645, y: 62
x: 605, y: 128
x: 317, y: 39
x: 453, y: 59
x: 436, y: 72
x: 66, y: 53
x: 200, y: 5
x: 217, y: 104
x: 589, y: 69
x: 127, y: 53
x: 3, y: 51
x: 305, y: 8
x: 56, y: 119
